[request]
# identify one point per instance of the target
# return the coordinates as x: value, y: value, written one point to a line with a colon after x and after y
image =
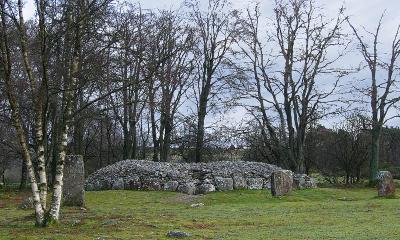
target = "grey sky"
x: 362, y: 13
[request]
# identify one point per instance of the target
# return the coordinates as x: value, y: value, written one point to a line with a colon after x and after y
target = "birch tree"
x: 74, y: 15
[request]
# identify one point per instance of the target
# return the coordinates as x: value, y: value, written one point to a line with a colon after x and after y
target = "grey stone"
x: 151, y: 184
x: 223, y: 184
x: 171, y: 186
x: 302, y: 181
x: 74, y: 181
x: 176, y: 234
x: 239, y: 182
x: 386, y: 186
x: 205, y: 188
x: 197, y: 205
x: 119, y: 184
x: 188, y: 188
x: 134, y: 183
x: 267, y: 183
x: 110, y: 222
x: 281, y: 182
x: 255, y: 183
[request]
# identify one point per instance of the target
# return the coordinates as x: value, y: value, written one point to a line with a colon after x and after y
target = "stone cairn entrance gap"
x: 74, y: 181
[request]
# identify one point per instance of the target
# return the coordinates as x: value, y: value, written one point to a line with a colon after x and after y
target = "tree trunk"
x: 200, y: 131
x: 374, y: 154
x: 23, y: 181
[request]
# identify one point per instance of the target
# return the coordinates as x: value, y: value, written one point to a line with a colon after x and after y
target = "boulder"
x: 281, y: 182
x: 176, y: 234
x: 386, y: 186
x: 134, y: 183
x: 74, y: 181
x: 171, y: 186
x: 302, y: 181
x: 223, y: 184
x: 119, y: 184
x: 239, y: 182
x: 267, y: 183
x: 255, y: 183
x: 205, y: 188
x: 152, y: 184
x: 188, y: 188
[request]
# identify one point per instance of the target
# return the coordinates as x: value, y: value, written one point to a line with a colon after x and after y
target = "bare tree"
x: 215, y: 31
x: 382, y: 91
x: 288, y: 81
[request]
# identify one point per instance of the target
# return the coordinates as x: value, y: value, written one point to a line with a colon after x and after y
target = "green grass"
x: 309, y: 214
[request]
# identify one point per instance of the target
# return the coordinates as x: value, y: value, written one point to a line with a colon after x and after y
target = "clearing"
x: 324, y: 213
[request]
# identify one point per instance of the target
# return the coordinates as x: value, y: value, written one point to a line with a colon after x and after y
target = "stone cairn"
x: 386, y: 186
x: 74, y: 181
x: 190, y: 178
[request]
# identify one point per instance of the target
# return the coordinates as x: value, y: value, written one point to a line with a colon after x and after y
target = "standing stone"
x: 281, y: 182
x: 386, y: 185
x: 74, y: 181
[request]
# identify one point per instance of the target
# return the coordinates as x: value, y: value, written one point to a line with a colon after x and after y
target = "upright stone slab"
x: 386, y: 186
x: 74, y: 181
x: 281, y: 182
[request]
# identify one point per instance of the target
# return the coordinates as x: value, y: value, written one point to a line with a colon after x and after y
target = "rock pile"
x: 190, y: 178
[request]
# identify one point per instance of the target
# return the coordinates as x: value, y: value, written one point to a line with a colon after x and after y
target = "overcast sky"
x: 364, y: 13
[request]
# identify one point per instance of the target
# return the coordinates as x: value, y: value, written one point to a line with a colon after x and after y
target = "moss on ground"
x: 309, y: 214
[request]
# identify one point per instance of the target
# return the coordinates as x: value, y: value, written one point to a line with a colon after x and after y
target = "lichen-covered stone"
x: 281, y: 182
x: 119, y: 184
x: 74, y: 181
x: 223, y: 184
x: 188, y: 188
x: 171, y: 186
x: 239, y: 182
x: 152, y: 184
x: 303, y: 181
x: 205, y: 188
x: 133, y: 183
x: 386, y: 186
x: 255, y: 183
x: 176, y: 234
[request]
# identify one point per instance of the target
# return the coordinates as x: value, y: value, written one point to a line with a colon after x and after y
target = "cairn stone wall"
x: 190, y: 178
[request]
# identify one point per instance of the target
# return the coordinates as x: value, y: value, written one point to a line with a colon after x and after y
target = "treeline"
x: 110, y: 81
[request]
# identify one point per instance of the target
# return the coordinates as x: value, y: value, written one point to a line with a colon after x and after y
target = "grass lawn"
x: 324, y: 213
